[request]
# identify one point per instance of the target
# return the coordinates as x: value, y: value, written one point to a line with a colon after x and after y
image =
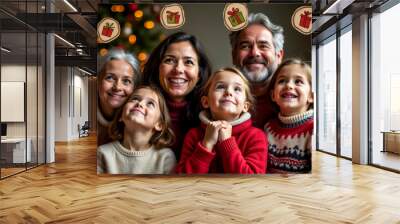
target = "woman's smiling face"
x: 179, y: 70
x: 116, y: 85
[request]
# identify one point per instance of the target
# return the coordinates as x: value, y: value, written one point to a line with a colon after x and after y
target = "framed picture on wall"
x: 12, y: 101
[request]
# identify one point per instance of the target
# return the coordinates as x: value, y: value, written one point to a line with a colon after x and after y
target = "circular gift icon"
x: 235, y: 16
x: 172, y: 16
x: 302, y: 19
x: 108, y: 29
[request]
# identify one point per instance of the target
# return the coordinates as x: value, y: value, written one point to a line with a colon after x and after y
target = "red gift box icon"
x: 305, y: 19
x: 173, y: 17
x: 107, y: 29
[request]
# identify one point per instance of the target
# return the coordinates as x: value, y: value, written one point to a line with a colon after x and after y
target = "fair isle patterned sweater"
x: 289, y: 143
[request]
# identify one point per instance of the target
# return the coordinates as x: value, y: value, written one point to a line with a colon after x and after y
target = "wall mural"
x: 204, y: 88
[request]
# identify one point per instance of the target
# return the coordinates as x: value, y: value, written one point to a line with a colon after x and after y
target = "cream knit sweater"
x: 113, y: 158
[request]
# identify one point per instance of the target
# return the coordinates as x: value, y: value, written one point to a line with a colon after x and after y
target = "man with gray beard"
x: 258, y: 50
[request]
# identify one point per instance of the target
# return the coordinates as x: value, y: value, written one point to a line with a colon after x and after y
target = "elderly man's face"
x: 255, y: 53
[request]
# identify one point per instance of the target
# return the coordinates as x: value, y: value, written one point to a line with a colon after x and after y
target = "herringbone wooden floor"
x: 69, y: 191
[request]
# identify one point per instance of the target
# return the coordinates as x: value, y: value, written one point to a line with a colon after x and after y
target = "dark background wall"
x: 206, y: 22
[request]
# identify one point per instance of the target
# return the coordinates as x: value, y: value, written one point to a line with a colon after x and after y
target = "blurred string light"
x: 138, y: 14
x: 103, y: 52
x: 162, y: 37
x: 149, y: 25
x: 117, y: 8
x: 128, y: 28
x: 132, y: 39
x: 142, y: 56
x: 140, y: 33
x: 133, y: 7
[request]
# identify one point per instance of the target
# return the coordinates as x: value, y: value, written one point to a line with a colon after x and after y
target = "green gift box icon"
x: 173, y: 17
x: 235, y: 17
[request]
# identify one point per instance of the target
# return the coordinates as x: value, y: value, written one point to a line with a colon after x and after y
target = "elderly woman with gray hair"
x: 118, y: 76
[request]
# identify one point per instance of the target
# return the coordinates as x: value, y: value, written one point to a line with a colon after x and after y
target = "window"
x: 346, y: 92
x: 22, y: 68
x: 385, y: 87
x: 327, y: 96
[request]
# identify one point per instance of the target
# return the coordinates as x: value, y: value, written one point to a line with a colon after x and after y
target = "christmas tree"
x: 140, y: 28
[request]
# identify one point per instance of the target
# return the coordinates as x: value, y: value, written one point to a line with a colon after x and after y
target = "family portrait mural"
x: 203, y: 88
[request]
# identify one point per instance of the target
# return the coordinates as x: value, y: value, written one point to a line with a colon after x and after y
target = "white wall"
x: 14, y: 73
x: 80, y: 98
x: 71, y: 102
x: 61, y: 103
x: 17, y: 73
x: 33, y: 126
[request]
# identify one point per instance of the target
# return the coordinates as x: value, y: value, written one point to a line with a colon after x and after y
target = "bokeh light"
x: 142, y: 56
x: 117, y: 8
x: 103, y: 52
x: 132, y: 39
x: 149, y: 25
x: 138, y: 14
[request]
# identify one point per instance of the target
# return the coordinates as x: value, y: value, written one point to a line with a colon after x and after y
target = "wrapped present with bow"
x: 235, y: 17
x: 305, y: 19
x: 173, y: 17
x: 107, y: 29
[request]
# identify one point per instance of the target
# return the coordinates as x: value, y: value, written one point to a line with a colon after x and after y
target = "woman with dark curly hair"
x: 180, y: 68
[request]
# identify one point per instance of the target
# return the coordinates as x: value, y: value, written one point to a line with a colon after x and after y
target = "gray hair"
x: 119, y: 54
x: 260, y: 18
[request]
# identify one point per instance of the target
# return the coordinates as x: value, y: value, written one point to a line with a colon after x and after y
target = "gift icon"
x: 235, y: 17
x: 107, y: 29
x: 305, y: 19
x: 173, y: 17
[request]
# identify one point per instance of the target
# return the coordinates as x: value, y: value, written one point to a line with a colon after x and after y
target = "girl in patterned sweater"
x: 289, y: 135
x: 226, y: 141
x: 142, y: 134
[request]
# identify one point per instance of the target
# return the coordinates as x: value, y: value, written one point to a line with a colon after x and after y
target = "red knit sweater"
x: 179, y: 124
x: 245, y: 152
x: 263, y: 111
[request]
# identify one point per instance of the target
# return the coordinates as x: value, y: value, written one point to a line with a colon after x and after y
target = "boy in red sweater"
x: 226, y: 141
